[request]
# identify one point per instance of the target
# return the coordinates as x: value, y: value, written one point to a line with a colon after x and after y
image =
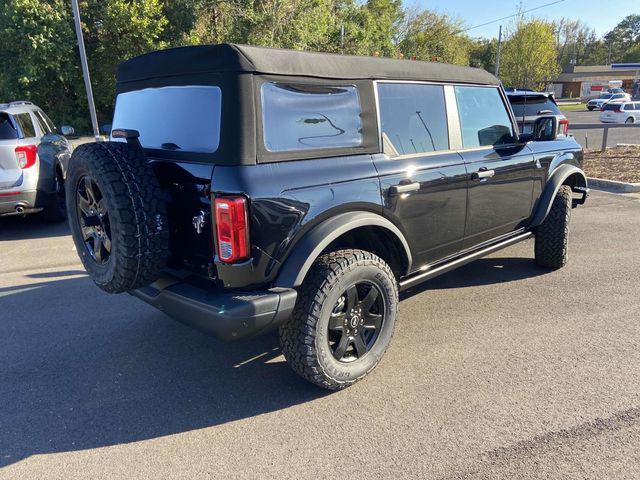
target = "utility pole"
x: 85, y: 70
x: 498, y: 52
x: 342, y: 39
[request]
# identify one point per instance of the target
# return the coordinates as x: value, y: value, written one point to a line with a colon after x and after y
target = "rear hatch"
x: 10, y: 173
x: 179, y: 130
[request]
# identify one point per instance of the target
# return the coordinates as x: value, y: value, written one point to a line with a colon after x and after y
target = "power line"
x: 511, y: 16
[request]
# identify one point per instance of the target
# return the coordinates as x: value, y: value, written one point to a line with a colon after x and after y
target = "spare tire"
x: 117, y: 214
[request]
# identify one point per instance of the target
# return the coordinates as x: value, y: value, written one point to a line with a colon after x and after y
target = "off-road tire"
x: 56, y: 209
x: 551, y: 237
x: 137, y: 211
x: 304, y: 336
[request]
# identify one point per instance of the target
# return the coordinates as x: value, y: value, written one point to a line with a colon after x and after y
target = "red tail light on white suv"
x: 26, y: 156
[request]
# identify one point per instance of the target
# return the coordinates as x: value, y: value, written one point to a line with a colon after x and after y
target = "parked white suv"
x: 33, y: 161
x: 606, y: 98
x: 621, y: 112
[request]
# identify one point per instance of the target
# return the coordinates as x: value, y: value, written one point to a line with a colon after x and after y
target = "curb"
x: 613, y: 185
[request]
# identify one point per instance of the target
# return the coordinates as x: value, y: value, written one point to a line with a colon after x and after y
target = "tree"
x: 428, y: 35
x: 38, y: 57
x: 572, y: 38
x: 482, y: 54
x: 624, y: 39
x: 529, y: 55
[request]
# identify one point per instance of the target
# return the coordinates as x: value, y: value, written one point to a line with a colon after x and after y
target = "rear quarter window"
x: 26, y: 124
x: 299, y: 117
x: 7, y: 130
x: 173, y: 118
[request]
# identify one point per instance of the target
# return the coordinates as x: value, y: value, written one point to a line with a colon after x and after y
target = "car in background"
x: 621, y: 112
x: 528, y: 106
x: 33, y: 160
x: 598, y: 103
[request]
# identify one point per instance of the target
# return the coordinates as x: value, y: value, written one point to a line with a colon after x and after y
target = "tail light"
x: 563, y: 126
x: 232, y: 229
x: 26, y: 156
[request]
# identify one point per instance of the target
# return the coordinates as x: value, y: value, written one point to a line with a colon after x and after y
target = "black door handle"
x: 404, y: 188
x: 483, y: 173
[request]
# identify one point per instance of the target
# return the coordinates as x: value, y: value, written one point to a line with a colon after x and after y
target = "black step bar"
x: 431, y: 272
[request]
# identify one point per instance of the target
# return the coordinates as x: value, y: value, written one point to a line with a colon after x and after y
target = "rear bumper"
x: 12, y: 200
x: 224, y: 314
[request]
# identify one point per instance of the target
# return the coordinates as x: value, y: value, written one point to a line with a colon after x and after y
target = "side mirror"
x: 66, y: 130
x: 106, y: 129
x: 545, y: 129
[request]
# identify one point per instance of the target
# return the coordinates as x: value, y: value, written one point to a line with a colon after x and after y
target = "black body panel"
x: 502, y: 202
x: 433, y: 215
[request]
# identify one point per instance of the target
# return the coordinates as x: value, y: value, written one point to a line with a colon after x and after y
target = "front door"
x: 501, y: 172
x: 423, y: 182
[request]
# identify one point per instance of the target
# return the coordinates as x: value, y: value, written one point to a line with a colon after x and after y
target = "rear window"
x: 7, y: 131
x: 612, y: 106
x: 530, y: 106
x: 309, y: 117
x: 172, y: 118
x: 26, y: 124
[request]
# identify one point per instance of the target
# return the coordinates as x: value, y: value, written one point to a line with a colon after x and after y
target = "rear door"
x: 423, y: 180
x: 501, y: 172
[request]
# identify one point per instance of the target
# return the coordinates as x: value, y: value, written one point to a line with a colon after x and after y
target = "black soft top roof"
x: 243, y: 58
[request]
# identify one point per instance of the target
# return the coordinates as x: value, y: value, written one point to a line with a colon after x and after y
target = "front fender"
x: 558, y: 178
x: 298, y: 263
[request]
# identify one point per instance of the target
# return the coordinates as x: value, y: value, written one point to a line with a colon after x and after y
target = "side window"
x: 484, y: 119
x: 45, y: 122
x: 307, y: 117
x: 43, y: 125
x: 413, y: 118
x: 26, y: 124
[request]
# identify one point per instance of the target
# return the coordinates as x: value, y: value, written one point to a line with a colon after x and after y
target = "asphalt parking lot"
x: 593, y: 138
x: 497, y: 370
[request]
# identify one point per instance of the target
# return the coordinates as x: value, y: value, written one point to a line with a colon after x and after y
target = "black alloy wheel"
x: 93, y: 219
x: 356, y: 321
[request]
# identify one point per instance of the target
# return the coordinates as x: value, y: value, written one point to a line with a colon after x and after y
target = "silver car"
x: 33, y: 161
x: 604, y: 98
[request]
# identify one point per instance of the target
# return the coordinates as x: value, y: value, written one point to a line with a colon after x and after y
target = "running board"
x: 430, y: 273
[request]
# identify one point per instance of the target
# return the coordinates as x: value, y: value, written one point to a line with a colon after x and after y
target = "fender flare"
x: 298, y: 263
x: 554, y: 183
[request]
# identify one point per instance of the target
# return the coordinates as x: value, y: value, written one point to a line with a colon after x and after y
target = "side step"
x: 430, y: 273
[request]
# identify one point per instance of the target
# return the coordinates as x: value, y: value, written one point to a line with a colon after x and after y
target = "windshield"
x: 172, y: 118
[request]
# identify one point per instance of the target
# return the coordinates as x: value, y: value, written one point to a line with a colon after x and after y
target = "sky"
x: 475, y: 12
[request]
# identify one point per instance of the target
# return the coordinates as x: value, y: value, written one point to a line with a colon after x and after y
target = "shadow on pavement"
x: 30, y: 227
x: 486, y: 271
x: 82, y: 369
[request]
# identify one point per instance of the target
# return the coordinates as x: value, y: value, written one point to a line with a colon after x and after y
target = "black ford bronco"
x: 245, y: 189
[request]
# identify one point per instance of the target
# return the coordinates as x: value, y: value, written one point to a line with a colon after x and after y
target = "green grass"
x: 572, y: 108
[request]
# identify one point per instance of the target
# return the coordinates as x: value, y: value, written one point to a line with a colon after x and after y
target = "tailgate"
x: 10, y: 173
